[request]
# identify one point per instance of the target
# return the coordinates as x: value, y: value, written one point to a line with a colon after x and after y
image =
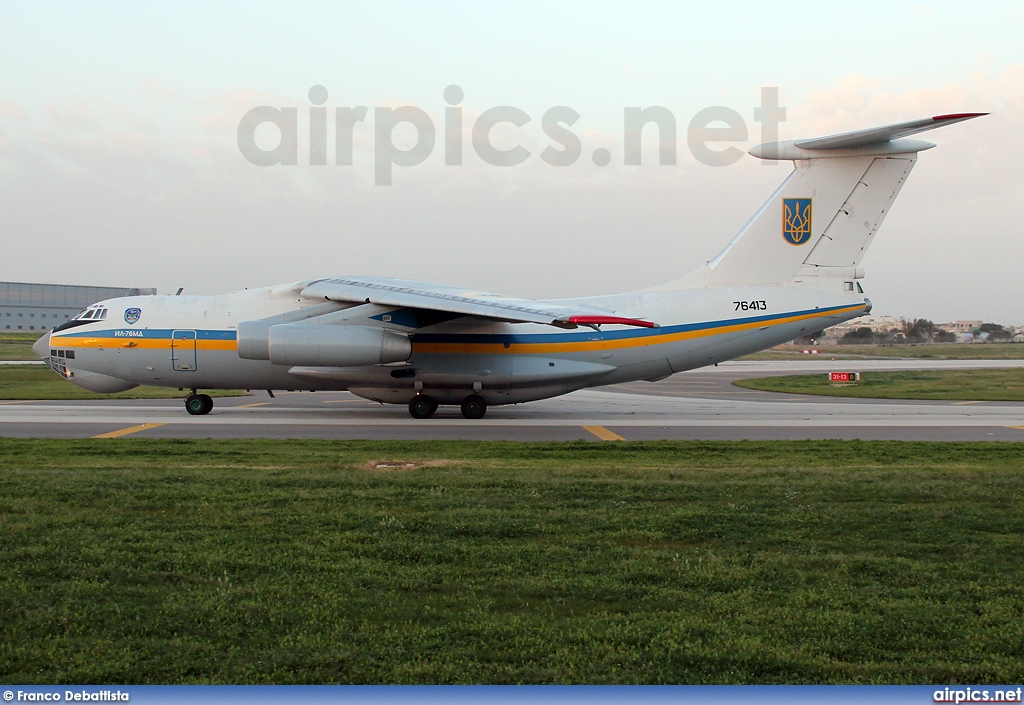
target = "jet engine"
x: 329, y: 346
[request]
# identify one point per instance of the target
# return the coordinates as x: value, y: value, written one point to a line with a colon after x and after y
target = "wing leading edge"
x: 466, y: 302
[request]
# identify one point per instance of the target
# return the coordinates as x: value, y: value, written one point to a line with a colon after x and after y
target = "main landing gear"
x: 198, y: 404
x: 474, y: 407
x: 423, y: 407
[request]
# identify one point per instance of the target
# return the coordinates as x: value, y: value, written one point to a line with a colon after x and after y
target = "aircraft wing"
x: 467, y: 302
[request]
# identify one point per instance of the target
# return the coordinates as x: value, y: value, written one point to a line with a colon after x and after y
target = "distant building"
x: 877, y: 324
x: 960, y: 326
x: 882, y: 324
x: 45, y: 306
x: 963, y: 330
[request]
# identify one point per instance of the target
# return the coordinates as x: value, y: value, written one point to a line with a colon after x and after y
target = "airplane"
x: 794, y: 268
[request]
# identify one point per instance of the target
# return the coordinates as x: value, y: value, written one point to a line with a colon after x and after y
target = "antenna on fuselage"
x: 178, y: 292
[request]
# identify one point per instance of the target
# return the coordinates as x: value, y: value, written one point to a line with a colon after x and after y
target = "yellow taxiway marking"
x: 961, y: 403
x: 344, y: 401
x: 1019, y: 428
x: 26, y: 401
x: 129, y: 430
x: 603, y: 433
x: 249, y: 406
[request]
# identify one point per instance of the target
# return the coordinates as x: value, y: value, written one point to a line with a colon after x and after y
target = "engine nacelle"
x: 336, y: 346
x: 254, y: 336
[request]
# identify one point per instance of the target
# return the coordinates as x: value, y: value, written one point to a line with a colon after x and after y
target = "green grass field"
x: 964, y: 385
x: 975, y: 351
x: 40, y: 382
x: 144, y: 561
x: 18, y: 346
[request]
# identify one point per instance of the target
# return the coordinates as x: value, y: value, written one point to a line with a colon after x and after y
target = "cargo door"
x: 183, y: 350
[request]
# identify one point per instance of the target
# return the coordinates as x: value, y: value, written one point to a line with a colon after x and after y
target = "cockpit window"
x: 82, y: 318
x: 91, y: 314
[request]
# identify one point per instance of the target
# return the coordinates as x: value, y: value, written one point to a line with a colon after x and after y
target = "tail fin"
x: 827, y: 211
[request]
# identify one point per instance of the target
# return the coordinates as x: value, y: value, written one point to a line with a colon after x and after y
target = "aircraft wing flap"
x: 467, y: 302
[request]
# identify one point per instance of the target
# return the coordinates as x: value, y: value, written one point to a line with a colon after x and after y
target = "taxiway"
x: 702, y: 404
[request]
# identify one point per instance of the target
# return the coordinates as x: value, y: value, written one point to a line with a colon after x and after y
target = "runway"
x: 701, y: 404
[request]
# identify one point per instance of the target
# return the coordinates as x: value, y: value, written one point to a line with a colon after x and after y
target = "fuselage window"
x: 71, y: 354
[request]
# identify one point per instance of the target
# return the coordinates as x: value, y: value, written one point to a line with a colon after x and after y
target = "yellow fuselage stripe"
x: 138, y: 343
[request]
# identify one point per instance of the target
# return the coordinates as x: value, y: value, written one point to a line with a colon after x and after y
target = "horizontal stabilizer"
x: 872, y: 141
x: 877, y: 135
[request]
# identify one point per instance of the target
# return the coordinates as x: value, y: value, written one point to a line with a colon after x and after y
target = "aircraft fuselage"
x: 191, y: 342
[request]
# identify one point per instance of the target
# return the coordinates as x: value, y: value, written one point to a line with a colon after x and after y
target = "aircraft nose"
x: 42, y: 347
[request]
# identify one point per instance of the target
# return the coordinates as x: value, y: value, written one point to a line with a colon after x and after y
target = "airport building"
x: 28, y: 307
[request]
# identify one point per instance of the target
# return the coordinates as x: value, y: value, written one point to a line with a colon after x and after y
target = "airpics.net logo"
x: 968, y: 694
x: 708, y: 136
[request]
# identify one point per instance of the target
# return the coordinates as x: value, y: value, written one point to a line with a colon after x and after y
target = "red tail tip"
x: 957, y: 116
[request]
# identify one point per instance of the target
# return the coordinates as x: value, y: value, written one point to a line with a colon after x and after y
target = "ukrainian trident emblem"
x: 796, y: 220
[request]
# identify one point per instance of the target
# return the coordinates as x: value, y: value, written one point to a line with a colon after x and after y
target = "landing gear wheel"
x: 198, y: 404
x: 422, y: 407
x: 474, y: 407
x: 207, y: 403
x: 194, y: 405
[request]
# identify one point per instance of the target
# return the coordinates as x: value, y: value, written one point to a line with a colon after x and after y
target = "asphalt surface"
x: 702, y: 404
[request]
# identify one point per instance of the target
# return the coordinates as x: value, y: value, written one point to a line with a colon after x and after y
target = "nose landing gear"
x: 198, y: 404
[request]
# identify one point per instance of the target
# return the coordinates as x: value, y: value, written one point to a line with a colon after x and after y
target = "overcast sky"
x: 119, y: 162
